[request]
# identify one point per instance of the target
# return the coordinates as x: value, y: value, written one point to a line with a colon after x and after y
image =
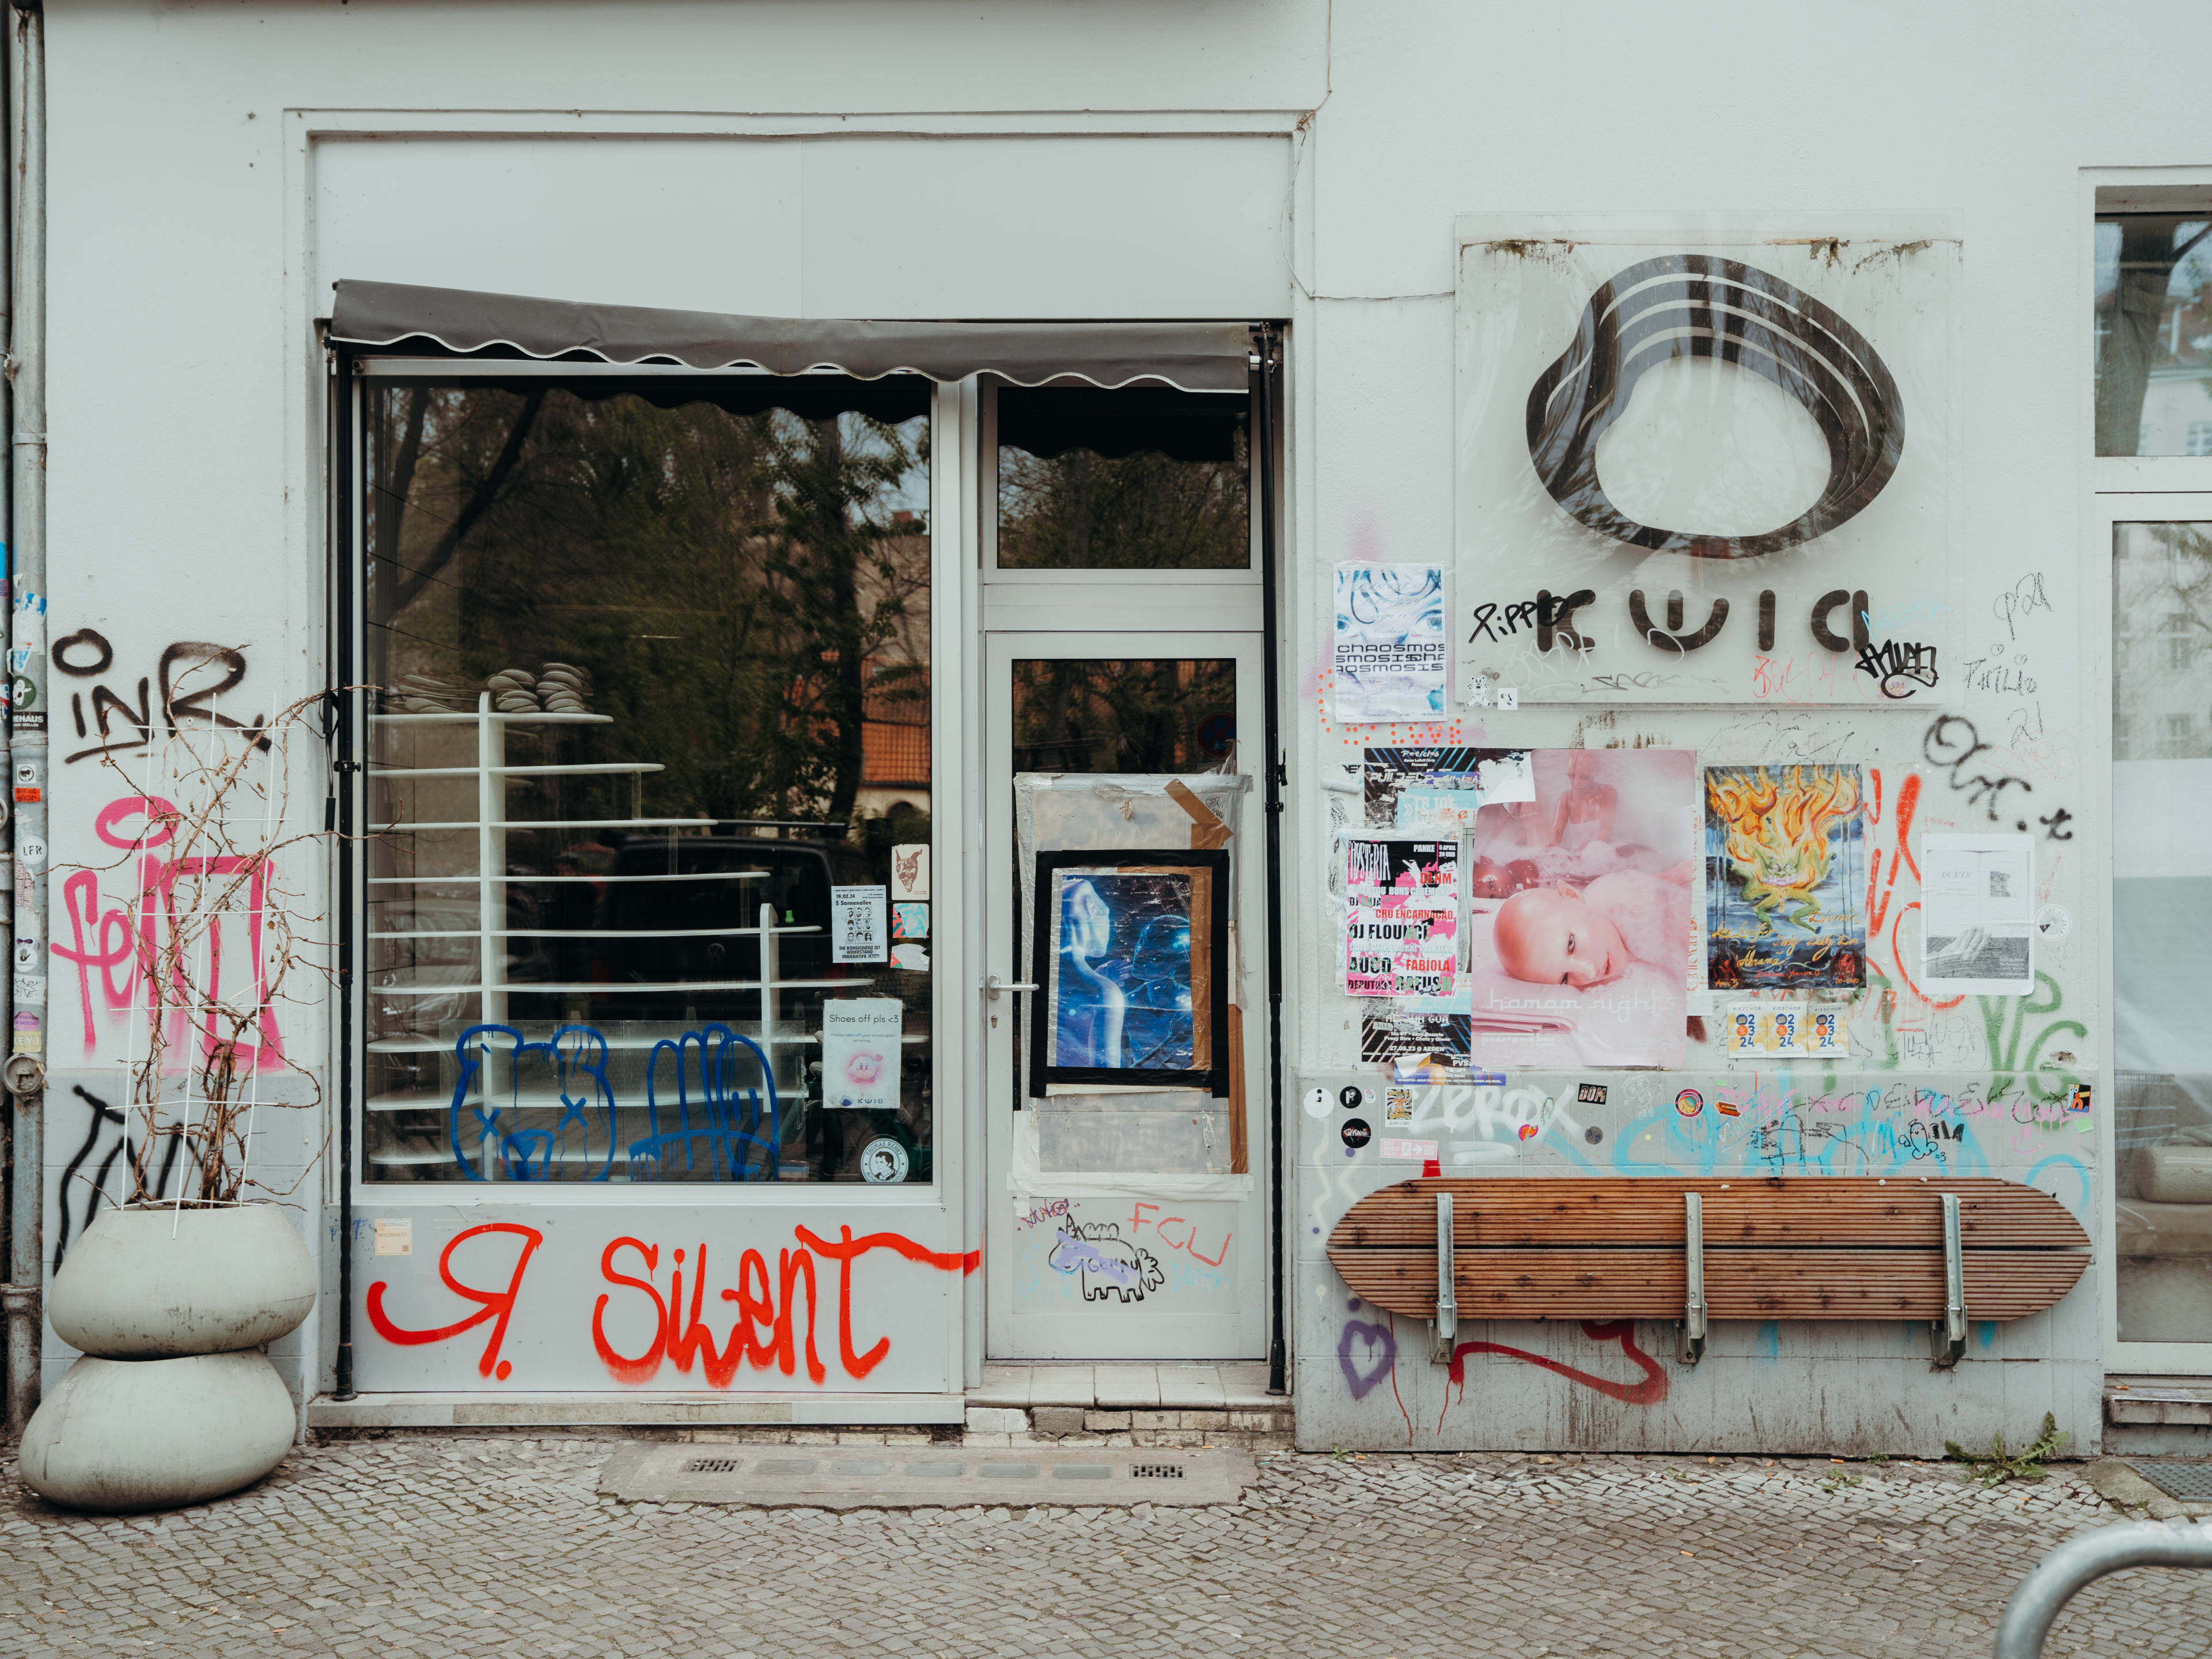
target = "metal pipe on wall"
x: 24, y: 1071
x: 1271, y: 789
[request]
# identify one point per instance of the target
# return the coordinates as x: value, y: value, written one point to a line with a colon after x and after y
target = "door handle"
x: 993, y: 985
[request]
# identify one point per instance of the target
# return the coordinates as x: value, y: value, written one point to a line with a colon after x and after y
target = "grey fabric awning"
x: 1196, y: 356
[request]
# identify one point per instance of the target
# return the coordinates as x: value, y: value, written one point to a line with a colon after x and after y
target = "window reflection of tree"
x: 2162, y: 612
x: 734, y: 580
x: 1139, y: 716
x: 2148, y: 314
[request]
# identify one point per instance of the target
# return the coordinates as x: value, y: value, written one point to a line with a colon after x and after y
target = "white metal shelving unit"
x: 490, y: 883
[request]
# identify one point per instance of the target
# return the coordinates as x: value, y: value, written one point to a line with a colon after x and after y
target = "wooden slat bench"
x: 1785, y: 1247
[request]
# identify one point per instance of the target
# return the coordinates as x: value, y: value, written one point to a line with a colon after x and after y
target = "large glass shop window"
x: 2161, y: 914
x: 648, y: 779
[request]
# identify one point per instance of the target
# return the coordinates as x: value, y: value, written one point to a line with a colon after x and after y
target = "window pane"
x: 653, y: 718
x: 2161, y: 914
x: 1143, y: 478
x: 2154, y: 334
x: 1161, y: 716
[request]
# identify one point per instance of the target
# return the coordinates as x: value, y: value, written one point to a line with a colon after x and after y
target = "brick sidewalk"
x: 448, y: 1546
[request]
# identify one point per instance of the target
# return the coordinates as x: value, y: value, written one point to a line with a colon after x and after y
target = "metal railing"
x: 2055, y: 1580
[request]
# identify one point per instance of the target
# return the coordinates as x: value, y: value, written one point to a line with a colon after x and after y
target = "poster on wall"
x: 1391, y: 659
x: 1977, y: 915
x: 1131, y: 948
x: 1401, y: 916
x: 1785, y: 870
x: 1704, y: 458
x: 1438, y: 790
x: 1578, y: 913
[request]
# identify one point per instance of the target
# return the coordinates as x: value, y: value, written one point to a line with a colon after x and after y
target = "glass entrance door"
x: 1124, y: 884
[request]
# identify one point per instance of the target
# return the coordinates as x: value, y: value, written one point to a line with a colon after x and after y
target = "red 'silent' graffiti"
x: 130, y: 937
x: 766, y: 1334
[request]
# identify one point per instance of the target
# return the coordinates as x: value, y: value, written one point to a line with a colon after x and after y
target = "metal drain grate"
x: 1156, y: 1471
x: 713, y: 1466
x: 2190, y: 1482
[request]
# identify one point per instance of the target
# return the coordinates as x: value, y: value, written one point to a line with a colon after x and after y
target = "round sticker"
x: 1316, y: 1103
x: 1593, y: 1135
x: 1689, y: 1102
x: 883, y: 1159
x: 1356, y: 1133
x: 1351, y: 1096
x: 2053, y: 923
x: 1216, y: 731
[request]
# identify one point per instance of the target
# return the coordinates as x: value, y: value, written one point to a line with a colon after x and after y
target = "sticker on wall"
x: 1406, y: 1152
x: 2077, y: 1103
x: 884, y: 1160
x: 1977, y: 915
x: 394, y: 1237
x: 1726, y: 1107
x: 860, y: 1045
x: 1689, y: 1102
x: 1590, y: 1094
x: 1768, y: 1030
x: 1351, y: 1096
x: 1355, y: 1132
x: 1829, y: 1032
x: 910, y: 871
x: 1509, y: 698
x: 1391, y: 661
x: 909, y: 922
x: 2053, y: 923
x: 1316, y: 1103
x: 860, y: 922
x: 1397, y: 1106
x: 1787, y: 846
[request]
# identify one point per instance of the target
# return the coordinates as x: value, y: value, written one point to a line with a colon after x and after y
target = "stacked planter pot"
x: 175, y: 1402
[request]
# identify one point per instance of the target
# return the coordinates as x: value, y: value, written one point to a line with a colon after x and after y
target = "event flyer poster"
x: 1391, y: 659
x: 1401, y: 917
x: 1785, y: 870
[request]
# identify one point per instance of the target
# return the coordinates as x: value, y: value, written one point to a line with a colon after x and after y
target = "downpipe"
x: 24, y: 1071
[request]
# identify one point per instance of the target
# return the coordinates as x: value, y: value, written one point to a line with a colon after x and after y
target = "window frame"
x: 953, y: 611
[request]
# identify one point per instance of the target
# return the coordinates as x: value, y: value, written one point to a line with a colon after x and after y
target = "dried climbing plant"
x: 219, y: 936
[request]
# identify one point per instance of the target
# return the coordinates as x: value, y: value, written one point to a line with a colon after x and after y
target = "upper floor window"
x: 2154, y: 333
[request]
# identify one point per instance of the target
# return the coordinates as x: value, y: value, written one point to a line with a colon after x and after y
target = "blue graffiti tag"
x: 579, y: 1058
x: 733, y: 1125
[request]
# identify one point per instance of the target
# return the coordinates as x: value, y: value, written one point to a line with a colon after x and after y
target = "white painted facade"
x: 214, y: 169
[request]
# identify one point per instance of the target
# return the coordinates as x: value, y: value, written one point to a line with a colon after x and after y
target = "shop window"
x: 2162, y: 910
x: 648, y: 779
x: 1141, y: 478
x: 2154, y: 333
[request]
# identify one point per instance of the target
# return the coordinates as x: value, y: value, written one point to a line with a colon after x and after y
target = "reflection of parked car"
x: 674, y: 914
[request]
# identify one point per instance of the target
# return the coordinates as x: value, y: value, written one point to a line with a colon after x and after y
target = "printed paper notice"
x: 1391, y: 659
x: 1401, y: 917
x: 1438, y: 791
x: 860, y: 924
x: 861, y: 1053
x: 1977, y: 915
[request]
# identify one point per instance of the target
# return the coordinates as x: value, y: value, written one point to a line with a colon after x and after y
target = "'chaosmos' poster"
x: 1578, y: 913
x: 1785, y: 871
x: 1402, y: 919
x: 1391, y: 660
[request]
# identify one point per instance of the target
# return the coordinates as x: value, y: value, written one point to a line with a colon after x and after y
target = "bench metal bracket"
x: 1693, y: 1262
x: 1446, y: 1328
x: 1947, y: 1337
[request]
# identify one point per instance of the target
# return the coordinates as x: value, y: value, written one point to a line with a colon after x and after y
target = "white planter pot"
x: 156, y: 1282
x: 124, y: 1435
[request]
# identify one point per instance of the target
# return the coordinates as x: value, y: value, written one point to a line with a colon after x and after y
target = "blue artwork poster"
x: 1127, y: 960
x: 1391, y: 661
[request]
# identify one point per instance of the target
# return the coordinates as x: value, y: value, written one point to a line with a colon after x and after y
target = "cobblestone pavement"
x: 436, y: 1546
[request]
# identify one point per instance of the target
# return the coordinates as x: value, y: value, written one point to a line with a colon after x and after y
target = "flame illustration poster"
x: 1579, y: 935
x: 1785, y: 859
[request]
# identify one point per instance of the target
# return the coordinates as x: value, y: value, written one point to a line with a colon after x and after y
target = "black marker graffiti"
x: 1900, y: 668
x: 1952, y: 745
x: 2022, y: 598
x: 103, y: 1115
x: 187, y: 698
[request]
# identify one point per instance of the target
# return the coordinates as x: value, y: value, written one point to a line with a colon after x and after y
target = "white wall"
x: 1040, y: 160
